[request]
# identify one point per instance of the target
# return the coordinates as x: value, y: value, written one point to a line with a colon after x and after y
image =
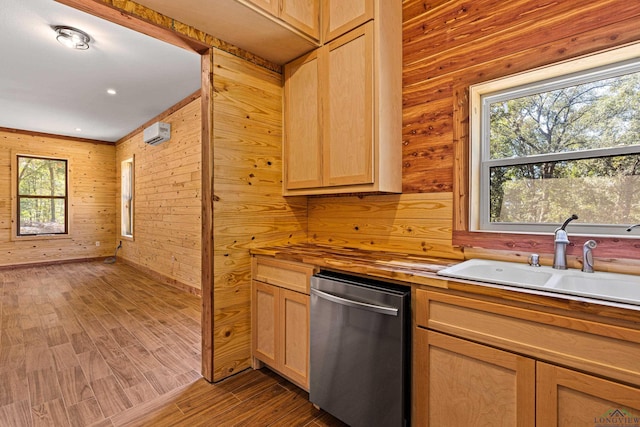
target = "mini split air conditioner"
x: 157, y: 133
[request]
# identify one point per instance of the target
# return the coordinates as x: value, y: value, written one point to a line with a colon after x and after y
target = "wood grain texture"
x: 126, y: 353
x: 248, y: 210
x: 449, y: 45
x: 92, y: 213
x: 413, y: 223
x: 167, y: 199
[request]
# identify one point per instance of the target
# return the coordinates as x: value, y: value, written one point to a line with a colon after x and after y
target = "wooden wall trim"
x: 33, y: 264
x: 207, y: 216
x: 51, y: 135
x: 161, y: 277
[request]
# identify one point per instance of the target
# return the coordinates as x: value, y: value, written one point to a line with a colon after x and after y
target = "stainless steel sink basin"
x: 600, y: 285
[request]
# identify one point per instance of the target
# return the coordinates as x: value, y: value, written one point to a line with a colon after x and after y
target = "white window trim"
x: 123, y: 226
x: 476, y: 92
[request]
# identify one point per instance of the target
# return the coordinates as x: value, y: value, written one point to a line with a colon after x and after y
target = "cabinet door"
x: 341, y: 16
x: 348, y: 109
x: 568, y: 398
x: 271, y: 6
x: 303, y: 15
x: 294, y: 341
x: 461, y: 383
x: 302, y: 144
x: 265, y: 307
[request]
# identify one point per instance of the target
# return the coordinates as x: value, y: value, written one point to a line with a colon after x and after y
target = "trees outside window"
x: 558, y: 146
x: 42, y: 196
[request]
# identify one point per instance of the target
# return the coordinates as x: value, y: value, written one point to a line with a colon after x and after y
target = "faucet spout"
x: 561, y: 240
x: 632, y: 227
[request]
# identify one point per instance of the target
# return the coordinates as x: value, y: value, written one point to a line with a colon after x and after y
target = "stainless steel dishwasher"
x: 360, y: 350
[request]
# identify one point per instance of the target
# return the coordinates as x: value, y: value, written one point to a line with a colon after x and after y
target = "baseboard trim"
x: 162, y: 278
x: 53, y: 262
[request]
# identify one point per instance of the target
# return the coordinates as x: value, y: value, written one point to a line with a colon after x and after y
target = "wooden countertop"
x: 422, y: 271
x: 388, y: 265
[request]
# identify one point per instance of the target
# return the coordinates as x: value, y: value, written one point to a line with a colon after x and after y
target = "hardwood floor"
x: 103, y: 344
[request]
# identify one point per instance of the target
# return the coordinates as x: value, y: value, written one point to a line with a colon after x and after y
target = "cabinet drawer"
x: 285, y: 274
x: 604, y: 349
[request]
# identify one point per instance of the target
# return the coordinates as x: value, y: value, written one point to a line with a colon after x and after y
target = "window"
x: 126, y: 182
x: 42, y: 201
x: 557, y: 141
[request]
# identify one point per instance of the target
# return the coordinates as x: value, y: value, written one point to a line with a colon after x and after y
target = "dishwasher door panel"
x: 359, y: 352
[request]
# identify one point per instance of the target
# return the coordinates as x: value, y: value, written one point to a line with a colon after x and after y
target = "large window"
x: 42, y: 199
x: 126, y: 203
x: 559, y: 141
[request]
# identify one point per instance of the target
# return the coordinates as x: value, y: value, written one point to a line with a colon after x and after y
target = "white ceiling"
x: 45, y: 87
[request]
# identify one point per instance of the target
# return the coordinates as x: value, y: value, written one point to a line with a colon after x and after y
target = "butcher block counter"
x: 421, y: 272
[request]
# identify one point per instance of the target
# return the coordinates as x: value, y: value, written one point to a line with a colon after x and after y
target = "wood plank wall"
x: 447, y: 46
x: 93, y: 184
x: 248, y: 208
x: 167, y: 200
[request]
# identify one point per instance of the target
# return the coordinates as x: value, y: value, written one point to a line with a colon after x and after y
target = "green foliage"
x: 42, y: 191
x: 600, y: 114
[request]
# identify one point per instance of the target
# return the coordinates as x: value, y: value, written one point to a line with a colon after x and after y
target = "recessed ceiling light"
x: 78, y: 130
x: 111, y: 91
x: 72, y: 37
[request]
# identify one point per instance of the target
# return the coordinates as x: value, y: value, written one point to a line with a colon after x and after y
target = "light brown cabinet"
x: 468, y: 384
x: 343, y: 112
x: 342, y: 16
x: 566, y: 398
x: 280, y: 317
x: 303, y: 15
x: 483, y: 363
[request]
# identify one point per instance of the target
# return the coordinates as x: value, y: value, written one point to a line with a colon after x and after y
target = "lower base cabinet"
x: 462, y: 381
x: 280, y: 318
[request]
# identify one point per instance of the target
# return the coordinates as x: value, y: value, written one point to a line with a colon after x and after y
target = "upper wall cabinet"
x: 303, y: 15
x: 342, y: 16
x: 343, y: 111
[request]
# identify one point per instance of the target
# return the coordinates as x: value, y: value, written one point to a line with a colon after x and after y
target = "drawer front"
x: 285, y: 274
x: 607, y: 350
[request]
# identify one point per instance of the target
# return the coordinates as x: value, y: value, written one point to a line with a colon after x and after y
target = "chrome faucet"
x: 587, y: 255
x: 632, y: 227
x: 561, y: 240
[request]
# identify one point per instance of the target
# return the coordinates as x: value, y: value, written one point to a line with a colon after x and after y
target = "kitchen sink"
x: 500, y: 272
x: 600, y: 285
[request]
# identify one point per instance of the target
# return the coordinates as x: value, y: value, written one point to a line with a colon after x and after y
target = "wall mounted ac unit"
x: 157, y: 133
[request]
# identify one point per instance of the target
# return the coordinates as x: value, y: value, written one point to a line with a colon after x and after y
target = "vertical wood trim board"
x: 248, y: 208
x: 92, y: 211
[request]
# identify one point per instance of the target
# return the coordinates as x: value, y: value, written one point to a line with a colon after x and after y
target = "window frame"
x: 131, y: 200
x: 15, y: 205
x: 602, y: 64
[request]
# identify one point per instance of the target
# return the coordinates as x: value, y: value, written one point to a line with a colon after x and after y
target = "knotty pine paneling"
x: 248, y: 208
x: 411, y: 223
x: 92, y: 174
x: 167, y: 200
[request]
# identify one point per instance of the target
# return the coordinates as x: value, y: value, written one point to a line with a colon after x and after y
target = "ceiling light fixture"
x: 72, y: 37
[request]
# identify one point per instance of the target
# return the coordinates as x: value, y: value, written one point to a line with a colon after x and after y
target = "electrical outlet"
x: 98, y: 243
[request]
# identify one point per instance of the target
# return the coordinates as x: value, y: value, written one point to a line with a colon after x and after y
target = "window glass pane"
x: 600, y: 191
x: 42, y: 177
x: 126, y: 178
x: 42, y: 216
x: 599, y: 114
